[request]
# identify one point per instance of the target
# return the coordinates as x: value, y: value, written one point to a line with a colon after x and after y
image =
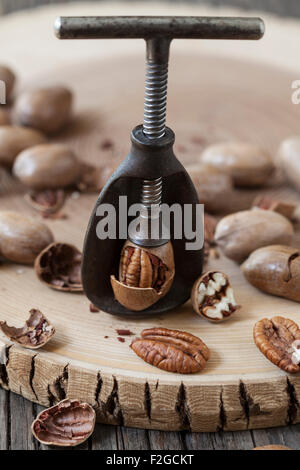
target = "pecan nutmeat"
x: 275, y: 338
x: 140, y: 268
x: 171, y: 350
x: 213, y: 298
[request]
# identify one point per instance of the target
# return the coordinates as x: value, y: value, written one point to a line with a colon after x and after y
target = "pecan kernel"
x: 277, y: 340
x: 171, y: 350
x: 212, y: 297
x: 140, y: 268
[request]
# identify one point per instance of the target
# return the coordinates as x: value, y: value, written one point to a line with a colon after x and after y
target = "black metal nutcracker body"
x: 151, y: 172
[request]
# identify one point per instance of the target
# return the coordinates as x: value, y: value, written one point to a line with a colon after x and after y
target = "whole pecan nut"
x: 278, y: 339
x: 171, y: 350
x: 212, y: 297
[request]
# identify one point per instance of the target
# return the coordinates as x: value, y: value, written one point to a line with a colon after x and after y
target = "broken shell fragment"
x: 275, y: 270
x: 212, y: 297
x: 146, y: 275
x: 36, y: 332
x: 67, y: 424
x: 59, y: 266
x: 47, y: 201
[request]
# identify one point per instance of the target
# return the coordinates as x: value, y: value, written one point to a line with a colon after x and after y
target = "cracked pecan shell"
x: 145, y: 275
x: 171, y: 350
x: 276, y: 270
x: 67, y: 424
x: 212, y: 297
x: 46, y: 201
x: 276, y: 339
x: 287, y: 209
x: 59, y: 266
x: 36, y: 332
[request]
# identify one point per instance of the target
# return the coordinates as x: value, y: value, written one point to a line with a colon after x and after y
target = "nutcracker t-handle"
x: 158, y: 31
x: 151, y: 163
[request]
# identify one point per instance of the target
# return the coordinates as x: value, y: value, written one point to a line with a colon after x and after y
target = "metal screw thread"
x: 155, y: 100
x: 151, y: 193
x: 155, y: 106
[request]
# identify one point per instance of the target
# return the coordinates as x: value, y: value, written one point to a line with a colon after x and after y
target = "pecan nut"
x: 171, y: 350
x: 145, y: 275
x: 278, y: 339
x: 212, y: 297
x: 284, y: 208
x: 276, y: 270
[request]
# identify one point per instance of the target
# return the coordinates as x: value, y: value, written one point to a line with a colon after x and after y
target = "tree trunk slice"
x: 211, y: 98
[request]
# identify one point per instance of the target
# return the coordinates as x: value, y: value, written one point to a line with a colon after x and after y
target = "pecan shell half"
x: 67, y: 424
x: 212, y: 297
x: 145, y: 275
x: 275, y: 338
x: 59, y: 266
x: 36, y: 332
x: 46, y: 201
x: 171, y: 350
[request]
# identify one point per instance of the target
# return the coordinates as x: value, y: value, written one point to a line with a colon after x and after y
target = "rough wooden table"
x: 17, y: 414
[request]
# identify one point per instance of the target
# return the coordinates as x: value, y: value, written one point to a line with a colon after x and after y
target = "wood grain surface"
x: 239, y: 389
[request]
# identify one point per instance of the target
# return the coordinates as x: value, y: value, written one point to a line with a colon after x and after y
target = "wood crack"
x: 31, y: 375
x: 4, y: 360
x: 293, y: 403
x: 249, y: 407
x: 61, y: 384
x: 222, y: 413
x: 98, y: 388
x: 147, y: 400
x: 112, y: 405
x: 182, y: 408
x: 51, y: 397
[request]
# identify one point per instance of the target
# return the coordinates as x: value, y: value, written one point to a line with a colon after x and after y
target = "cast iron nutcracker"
x: 151, y: 173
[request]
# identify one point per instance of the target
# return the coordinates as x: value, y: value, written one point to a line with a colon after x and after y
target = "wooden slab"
x: 239, y: 389
x: 211, y: 98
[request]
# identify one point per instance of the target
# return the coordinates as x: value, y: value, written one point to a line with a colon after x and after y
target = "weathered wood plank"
x: 137, y: 437
x: 105, y: 437
x: 161, y: 440
x: 232, y: 440
x: 4, y: 419
x: 21, y: 417
x: 198, y: 440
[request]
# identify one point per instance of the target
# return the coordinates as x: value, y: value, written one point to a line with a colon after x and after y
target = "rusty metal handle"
x: 146, y: 27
